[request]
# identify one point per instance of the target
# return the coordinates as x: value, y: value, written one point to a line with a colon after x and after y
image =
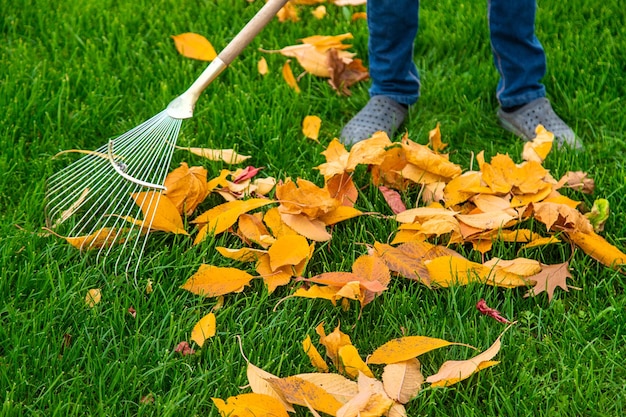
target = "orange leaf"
x: 100, y: 238
x: 305, y: 197
x: 213, y: 281
x: 253, y: 229
x: 192, y: 45
x: 313, y: 229
x: 186, y: 187
x: 273, y: 278
x: 203, y: 329
x: 262, y: 66
x: 333, y: 342
x: 274, y: 221
x: 242, y: 254
x: 311, y: 127
x: 434, y: 139
x: 339, y: 214
x: 289, y: 78
x: 336, y: 159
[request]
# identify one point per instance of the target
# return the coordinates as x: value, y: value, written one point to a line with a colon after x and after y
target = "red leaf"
x: 184, y: 349
x: 247, y: 173
x: 392, y: 197
x: 491, y: 312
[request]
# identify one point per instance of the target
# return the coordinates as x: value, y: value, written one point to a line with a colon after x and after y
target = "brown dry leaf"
x: 194, y: 46
x: 257, y: 378
x: 160, y: 213
x: 599, y: 249
x: 204, y: 329
x: 550, y: 277
x: 250, y: 405
x: 560, y: 216
x: 289, y: 77
x: 93, y: 297
x: 405, y: 348
x: 403, y: 380
x: 452, y: 372
x: 302, y: 392
x: 316, y: 359
x: 344, y: 73
x: 186, y: 187
x: 226, y: 155
x: 311, y: 127
x: 578, y: 181
x: 288, y: 250
x: 262, y: 66
x: 219, y: 218
x: 213, y: 281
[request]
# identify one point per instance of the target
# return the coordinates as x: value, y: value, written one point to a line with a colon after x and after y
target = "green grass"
x: 74, y: 74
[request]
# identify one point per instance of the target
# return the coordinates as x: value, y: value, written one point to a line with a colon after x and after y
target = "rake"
x: 108, y: 198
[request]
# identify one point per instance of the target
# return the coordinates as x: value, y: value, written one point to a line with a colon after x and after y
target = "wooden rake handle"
x: 250, y: 30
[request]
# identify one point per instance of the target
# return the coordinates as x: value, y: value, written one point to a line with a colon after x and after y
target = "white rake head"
x: 110, y: 196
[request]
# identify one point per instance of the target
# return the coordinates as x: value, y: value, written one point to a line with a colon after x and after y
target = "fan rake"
x: 108, y: 198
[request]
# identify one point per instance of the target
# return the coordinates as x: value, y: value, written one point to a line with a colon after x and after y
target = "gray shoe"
x: 380, y: 113
x: 524, y: 120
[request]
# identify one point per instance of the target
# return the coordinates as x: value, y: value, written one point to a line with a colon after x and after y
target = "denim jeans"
x: 517, y: 53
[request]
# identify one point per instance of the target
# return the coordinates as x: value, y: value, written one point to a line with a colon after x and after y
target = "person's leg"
x: 395, y: 85
x: 521, y: 62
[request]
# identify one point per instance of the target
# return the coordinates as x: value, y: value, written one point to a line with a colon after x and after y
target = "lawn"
x: 75, y: 74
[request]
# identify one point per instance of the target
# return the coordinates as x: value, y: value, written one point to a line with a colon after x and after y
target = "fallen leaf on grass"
x: 403, y: 380
x: 311, y: 127
x: 405, y: 348
x: 491, y: 312
x: 258, y: 380
x: 598, y: 248
x: 184, y: 349
x: 250, y: 405
x: 262, y: 66
x: 550, y: 277
x: 314, y: 356
x: 159, y: 213
x: 204, y: 329
x: 194, y: 46
x: 344, y: 74
x: 93, y: 297
x: 289, y: 77
x: 213, y: 281
x: 186, y: 187
x: 299, y: 391
x: 225, y: 155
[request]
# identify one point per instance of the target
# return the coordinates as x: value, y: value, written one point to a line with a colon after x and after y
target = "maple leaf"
x: 550, y: 277
x: 537, y: 149
x: 344, y: 74
x: 578, y: 181
x: 336, y: 159
x: 195, y: 46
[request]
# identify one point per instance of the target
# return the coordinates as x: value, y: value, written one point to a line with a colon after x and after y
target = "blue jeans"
x: 517, y: 53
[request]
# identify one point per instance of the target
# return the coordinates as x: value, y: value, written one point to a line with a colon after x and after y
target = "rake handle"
x: 250, y: 30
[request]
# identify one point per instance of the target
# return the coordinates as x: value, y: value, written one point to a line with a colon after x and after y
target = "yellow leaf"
x: 258, y: 379
x: 351, y: 362
x: 311, y: 127
x: 333, y: 342
x: 313, y: 229
x: 104, y: 237
x: 304, y: 197
x: 226, y: 155
x: 434, y: 139
x: 273, y: 278
x: 220, y: 218
x: 339, y: 214
x: 159, y: 213
x: 213, y: 281
x: 405, y: 348
x: 262, y: 66
x: 316, y: 291
x: 289, y: 78
x: 252, y: 228
x: 403, y: 380
x: 204, y: 329
x: 319, y: 12
x: 301, y: 392
x: 598, y: 248
x: 194, y: 46
x: 337, y: 385
x: 242, y: 254
x: 250, y: 405
x: 370, y: 401
x: 288, y: 250
x: 314, y: 356
x: 93, y: 297
x: 336, y: 159
x: 274, y: 221
x: 538, y: 149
